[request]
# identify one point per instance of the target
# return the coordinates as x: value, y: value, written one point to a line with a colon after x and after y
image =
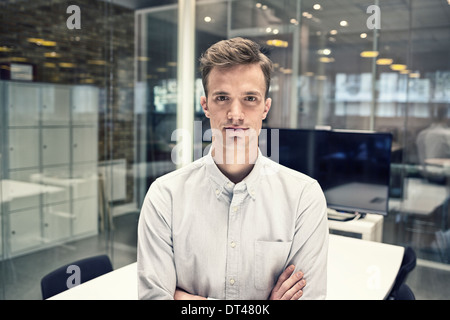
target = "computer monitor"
x: 352, y: 167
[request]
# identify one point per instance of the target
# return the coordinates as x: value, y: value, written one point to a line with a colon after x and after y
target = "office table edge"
x: 121, y: 284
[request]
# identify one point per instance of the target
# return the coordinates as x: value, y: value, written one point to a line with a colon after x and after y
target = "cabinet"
x: 49, y: 159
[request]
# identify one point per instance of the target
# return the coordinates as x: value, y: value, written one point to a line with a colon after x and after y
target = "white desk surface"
x: 11, y: 189
x: 421, y: 197
x: 357, y: 270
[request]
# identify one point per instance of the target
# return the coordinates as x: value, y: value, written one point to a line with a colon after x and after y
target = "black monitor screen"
x: 352, y: 167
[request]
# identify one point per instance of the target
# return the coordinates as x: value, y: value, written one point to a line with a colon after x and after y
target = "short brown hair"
x: 232, y: 52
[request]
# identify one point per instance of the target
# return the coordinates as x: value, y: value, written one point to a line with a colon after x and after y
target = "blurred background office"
x: 90, y: 97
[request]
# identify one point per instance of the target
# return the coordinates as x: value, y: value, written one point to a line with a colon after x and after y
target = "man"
x: 227, y: 225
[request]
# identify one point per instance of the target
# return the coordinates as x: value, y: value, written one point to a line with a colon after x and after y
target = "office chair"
x: 400, y: 290
x: 89, y: 268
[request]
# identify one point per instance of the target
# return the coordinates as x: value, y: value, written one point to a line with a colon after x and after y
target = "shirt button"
x: 235, y: 209
x: 232, y: 281
x: 229, y: 184
x: 217, y: 191
x: 233, y: 244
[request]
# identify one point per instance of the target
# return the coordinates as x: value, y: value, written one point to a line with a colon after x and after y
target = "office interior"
x: 88, y: 111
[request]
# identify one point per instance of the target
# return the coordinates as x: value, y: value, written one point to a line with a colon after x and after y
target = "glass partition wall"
x: 66, y: 138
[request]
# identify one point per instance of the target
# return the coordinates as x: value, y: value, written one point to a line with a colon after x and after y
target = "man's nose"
x: 235, y: 113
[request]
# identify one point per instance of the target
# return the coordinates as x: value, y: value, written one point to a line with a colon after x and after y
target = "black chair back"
x: 408, y: 264
x: 58, y: 280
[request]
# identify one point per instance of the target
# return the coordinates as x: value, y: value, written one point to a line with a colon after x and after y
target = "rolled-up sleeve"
x: 155, y: 261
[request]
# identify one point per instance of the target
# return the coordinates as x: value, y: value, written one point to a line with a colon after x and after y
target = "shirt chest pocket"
x: 270, y: 258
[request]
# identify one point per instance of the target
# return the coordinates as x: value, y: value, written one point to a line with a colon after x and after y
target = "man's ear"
x: 204, y: 104
x: 267, y: 106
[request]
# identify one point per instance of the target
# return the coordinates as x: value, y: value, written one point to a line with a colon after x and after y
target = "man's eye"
x: 221, y: 98
x: 250, y: 98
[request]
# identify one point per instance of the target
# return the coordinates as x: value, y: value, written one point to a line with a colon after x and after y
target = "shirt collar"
x: 221, y: 184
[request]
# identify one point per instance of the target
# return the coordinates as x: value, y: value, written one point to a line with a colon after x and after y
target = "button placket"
x: 234, y: 227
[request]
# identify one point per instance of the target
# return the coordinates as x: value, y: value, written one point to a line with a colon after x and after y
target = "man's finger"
x: 288, y: 287
x: 283, y: 277
x: 296, y: 291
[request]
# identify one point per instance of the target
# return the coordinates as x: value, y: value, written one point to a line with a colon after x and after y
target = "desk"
x: 13, y: 190
x: 421, y: 197
x: 357, y: 270
x: 370, y: 227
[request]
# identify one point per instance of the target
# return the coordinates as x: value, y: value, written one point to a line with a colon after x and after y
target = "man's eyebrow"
x: 220, y: 93
x: 252, y: 93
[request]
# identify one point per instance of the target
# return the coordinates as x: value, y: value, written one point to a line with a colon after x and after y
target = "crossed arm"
x: 289, y: 286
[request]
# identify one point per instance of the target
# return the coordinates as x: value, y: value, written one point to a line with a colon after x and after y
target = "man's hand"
x: 289, y: 286
x: 183, y: 295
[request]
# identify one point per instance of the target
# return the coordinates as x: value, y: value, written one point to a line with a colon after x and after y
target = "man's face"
x: 236, y: 105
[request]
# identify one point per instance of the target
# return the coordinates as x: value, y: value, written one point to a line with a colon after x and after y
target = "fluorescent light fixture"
x: 398, y: 67
x: 97, y: 62
x: 343, y: 23
x: 369, y: 54
x: 384, y: 61
x: 67, y: 65
x: 326, y: 59
x: 18, y: 59
x: 363, y: 35
x: 52, y: 55
x: 317, y: 6
x: 277, y: 43
x: 42, y: 42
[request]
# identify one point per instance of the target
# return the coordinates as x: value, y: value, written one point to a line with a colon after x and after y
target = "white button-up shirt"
x: 202, y: 233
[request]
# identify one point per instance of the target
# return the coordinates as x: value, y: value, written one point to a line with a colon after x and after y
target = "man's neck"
x: 234, y: 170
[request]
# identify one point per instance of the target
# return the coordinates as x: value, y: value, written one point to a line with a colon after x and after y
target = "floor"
x: 429, y: 280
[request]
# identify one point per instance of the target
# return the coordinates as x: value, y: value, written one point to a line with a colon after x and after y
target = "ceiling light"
x: 343, y: 23
x: 5, y: 49
x: 52, y: 55
x: 326, y: 59
x: 275, y: 31
x: 97, y: 62
x: 47, y: 43
x: 406, y: 71
x: 333, y: 32
x: 294, y: 21
x: 414, y: 75
x: 18, y: 59
x: 35, y: 40
x: 384, y: 61
x: 326, y: 52
x: 264, y: 7
x: 67, y: 65
x: 398, y: 67
x: 317, y: 6
x: 258, y: 5
x: 277, y: 43
x: 268, y: 29
x: 369, y: 54
x: 363, y: 35
x: 207, y: 19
